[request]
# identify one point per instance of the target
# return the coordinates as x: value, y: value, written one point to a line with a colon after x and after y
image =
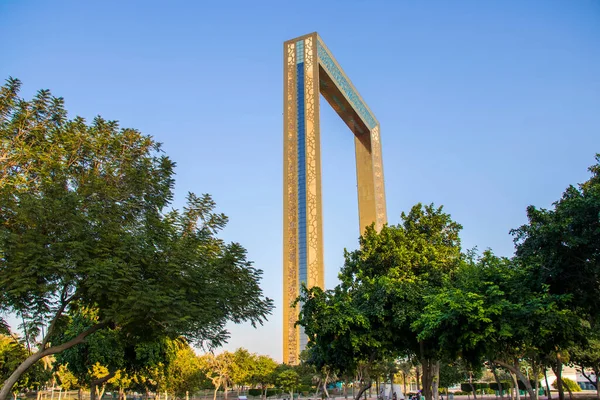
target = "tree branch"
x: 76, y: 340
x: 587, y: 377
x: 105, y: 378
x: 64, y: 302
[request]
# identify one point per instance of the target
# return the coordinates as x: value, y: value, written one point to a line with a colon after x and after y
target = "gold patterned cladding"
x: 290, y: 218
x: 380, y: 208
x: 368, y: 161
x: 314, y: 226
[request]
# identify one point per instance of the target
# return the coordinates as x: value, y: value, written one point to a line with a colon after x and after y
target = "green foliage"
x: 587, y: 356
x: 465, y: 387
x: 255, y: 392
x: 288, y: 380
x: 478, y: 386
x: 562, y: 245
x: 505, y: 385
x: 84, y: 223
x: 450, y: 375
x: 105, y: 347
x: 305, y: 389
x: 184, y: 373
x: 262, y: 372
x: 65, y: 378
x: 568, y: 383
x: 13, y: 353
x: 369, y: 317
x: 273, y: 392
x: 244, y: 364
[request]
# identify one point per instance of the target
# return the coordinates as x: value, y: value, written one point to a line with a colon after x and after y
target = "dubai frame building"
x: 310, y: 70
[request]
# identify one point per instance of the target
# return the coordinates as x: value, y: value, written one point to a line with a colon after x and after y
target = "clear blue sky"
x: 485, y: 107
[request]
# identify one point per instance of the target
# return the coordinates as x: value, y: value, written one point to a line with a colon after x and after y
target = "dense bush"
x: 505, y: 385
x: 568, y: 383
x: 305, y: 389
x: 466, y: 387
x: 273, y: 392
x: 255, y: 392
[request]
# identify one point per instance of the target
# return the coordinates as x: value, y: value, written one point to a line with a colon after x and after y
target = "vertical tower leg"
x: 303, y: 221
x: 290, y: 204
x: 369, y: 177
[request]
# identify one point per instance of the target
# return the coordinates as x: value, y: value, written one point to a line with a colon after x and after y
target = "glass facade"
x: 302, y: 265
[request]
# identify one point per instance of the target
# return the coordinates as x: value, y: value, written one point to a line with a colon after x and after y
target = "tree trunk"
x: 547, y: 384
x: 94, y: 391
x: 515, y: 381
x: 215, y: 394
x: 426, y: 378
x: 418, y: 373
x: 363, y: 389
x: 516, y: 372
x: 32, y: 359
x: 568, y: 390
x: 536, y: 372
x: 435, y: 385
x: 404, y: 383
x: 472, y: 387
x: 558, y: 373
x: 325, y: 385
x: 500, y: 389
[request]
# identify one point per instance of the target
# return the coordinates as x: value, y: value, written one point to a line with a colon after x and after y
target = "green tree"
x: 450, y: 375
x: 370, y: 316
x: 262, y: 373
x: 243, y: 368
x: 184, y: 373
x: 219, y: 369
x: 561, y: 246
x: 13, y: 353
x: 289, y: 381
x: 83, y: 222
x: 340, y: 336
x: 66, y: 379
x: 493, y: 310
x: 588, y: 358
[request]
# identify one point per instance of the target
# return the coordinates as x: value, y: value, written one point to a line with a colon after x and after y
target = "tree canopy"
x: 84, y: 223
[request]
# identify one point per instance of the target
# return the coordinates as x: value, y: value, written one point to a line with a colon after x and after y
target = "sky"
x: 485, y: 107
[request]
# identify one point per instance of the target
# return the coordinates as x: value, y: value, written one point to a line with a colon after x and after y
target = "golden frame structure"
x: 310, y: 69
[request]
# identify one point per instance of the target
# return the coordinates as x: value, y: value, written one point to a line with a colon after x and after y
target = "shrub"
x: 304, y: 389
x: 273, y: 392
x: 568, y: 383
x: 254, y: 392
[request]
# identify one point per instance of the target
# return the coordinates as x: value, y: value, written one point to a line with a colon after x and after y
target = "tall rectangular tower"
x: 310, y: 69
